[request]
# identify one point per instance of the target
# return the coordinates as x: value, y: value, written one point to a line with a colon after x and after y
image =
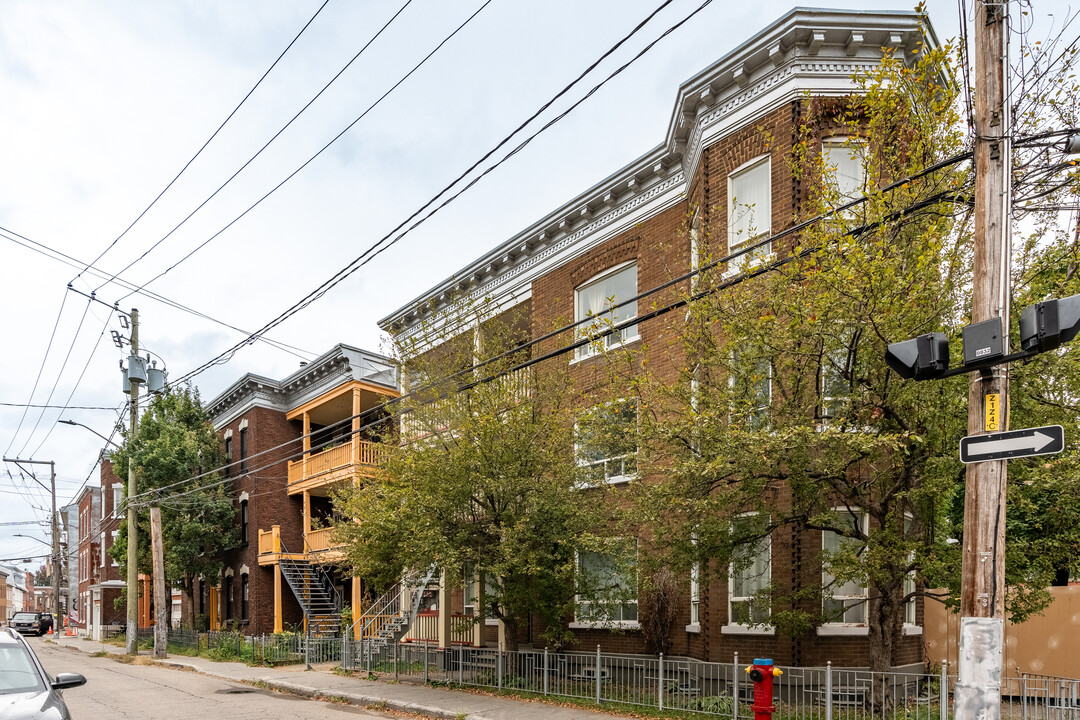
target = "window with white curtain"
x: 749, y: 575
x: 843, y: 602
x: 595, y: 301
x: 750, y: 209
x: 614, y: 579
x: 843, y: 161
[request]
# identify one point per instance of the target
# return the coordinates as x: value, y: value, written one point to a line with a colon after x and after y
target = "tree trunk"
x: 886, y: 628
x: 187, y: 604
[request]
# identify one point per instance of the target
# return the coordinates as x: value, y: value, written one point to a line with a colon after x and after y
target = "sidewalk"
x: 322, y: 682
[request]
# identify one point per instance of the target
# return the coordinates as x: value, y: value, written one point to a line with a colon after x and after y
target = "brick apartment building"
x: 99, y: 583
x: 638, y: 229
x: 290, y: 441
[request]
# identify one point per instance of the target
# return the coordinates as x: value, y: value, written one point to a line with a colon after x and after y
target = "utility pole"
x: 982, y: 598
x: 132, y: 640
x: 162, y: 604
x: 55, y: 526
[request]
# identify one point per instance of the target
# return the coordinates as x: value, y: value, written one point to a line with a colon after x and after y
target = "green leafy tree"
x: 484, y: 481
x: 788, y: 427
x: 175, y: 452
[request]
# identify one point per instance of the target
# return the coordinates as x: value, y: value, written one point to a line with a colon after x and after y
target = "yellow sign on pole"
x: 993, y: 412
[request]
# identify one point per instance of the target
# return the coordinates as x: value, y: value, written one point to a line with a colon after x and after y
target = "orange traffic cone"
x: 50, y: 630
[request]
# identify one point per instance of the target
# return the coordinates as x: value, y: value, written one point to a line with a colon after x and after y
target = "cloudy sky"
x: 104, y: 103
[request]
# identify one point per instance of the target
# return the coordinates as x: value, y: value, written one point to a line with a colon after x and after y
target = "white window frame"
x: 614, y: 340
x: 733, y: 627
x: 761, y: 228
x: 695, y: 594
x: 583, y: 620
x: 118, y: 499
x: 856, y: 150
x: 827, y: 363
x: 114, y: 563
x: 826, y: 578
x: 610, y: 479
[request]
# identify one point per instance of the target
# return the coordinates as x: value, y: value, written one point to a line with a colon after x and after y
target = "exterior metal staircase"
x: 388, y: 619
x: 316, y: 594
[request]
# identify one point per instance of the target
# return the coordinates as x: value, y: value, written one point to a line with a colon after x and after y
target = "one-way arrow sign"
x: 1048, y: 440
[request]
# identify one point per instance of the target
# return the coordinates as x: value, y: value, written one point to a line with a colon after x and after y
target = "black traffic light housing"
x: 1046, y: 325
x: 923, y: 358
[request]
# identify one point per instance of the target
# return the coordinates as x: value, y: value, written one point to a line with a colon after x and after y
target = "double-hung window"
x: 751, y: 386
x: 750, y: 210
x: 835, y: 389
x: 749, y: 576
x: 595, y: 303
x: 606, y: 443
x: 608, y: 586
x: 843, y: 602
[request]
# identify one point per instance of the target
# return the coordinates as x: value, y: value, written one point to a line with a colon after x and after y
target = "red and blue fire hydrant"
x: 762, y: 673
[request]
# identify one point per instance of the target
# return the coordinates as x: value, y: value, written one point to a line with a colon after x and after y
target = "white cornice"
x: 815, y: 50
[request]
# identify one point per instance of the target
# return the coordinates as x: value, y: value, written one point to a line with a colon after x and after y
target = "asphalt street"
x: 117, y: 690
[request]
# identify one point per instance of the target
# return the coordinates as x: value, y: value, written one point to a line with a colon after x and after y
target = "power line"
x: 946, y: 196
x: 41, y: 369
x: 361, y: 260
x: 58, y: 407
x: 199, y: 151
x: 323, y: 149
x: 266, y: 145
x: 54, y: 254
x: 63, y: 366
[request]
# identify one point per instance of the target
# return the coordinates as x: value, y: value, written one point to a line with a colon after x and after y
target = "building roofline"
x: 802, y: 30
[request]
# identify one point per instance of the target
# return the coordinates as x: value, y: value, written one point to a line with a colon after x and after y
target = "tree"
x: 176, y: 453
x: 787, y: 425
x: 484, y: 482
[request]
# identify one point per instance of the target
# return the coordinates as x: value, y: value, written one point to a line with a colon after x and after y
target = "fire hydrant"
x: 762, y: 673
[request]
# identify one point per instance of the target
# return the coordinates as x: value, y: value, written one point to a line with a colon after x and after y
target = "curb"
x: 354, y: 698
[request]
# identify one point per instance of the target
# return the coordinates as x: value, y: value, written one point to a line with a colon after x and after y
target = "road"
x: 116, y: 690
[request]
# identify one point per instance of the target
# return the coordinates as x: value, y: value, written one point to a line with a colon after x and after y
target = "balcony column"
x: 357, y: 606
x: 307, y: 519
x: 306, y: 443
x: 443, y: 629
x: 279, y: 625
x: 354, y: 440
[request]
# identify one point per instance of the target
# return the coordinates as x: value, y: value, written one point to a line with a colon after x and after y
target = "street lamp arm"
x: 72, y: 422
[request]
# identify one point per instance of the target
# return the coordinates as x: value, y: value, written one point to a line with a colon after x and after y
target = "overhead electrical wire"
x: 945, y: 196
x: 59, y: 375
x: 37, y: 379
x: 54, y: 254
x: 375, y: 249
x: 267, y: 144
x: 208, y: 140
x: 323, y: 149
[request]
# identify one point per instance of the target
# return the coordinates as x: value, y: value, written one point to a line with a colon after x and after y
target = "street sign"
x: 1048, y: 440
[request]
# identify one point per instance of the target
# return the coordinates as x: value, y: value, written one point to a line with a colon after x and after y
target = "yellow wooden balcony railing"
x: 319, y: 540
x: 266, y: 542
x: 356, y: 455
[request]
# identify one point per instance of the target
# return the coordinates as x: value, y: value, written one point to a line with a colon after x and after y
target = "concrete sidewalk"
x: 322, y: 682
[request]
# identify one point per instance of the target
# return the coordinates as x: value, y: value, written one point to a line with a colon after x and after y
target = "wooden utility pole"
x: 982, y: 598
x: 132, y: 639
x: 162, y: 604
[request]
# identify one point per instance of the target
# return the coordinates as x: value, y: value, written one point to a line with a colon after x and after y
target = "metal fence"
x: 709, y: 688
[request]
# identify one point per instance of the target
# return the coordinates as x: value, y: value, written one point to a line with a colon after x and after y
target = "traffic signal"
x: 1046, y: 325
x: 923, y: 358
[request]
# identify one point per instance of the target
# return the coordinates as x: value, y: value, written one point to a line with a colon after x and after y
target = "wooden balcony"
x: 270, y: 552
x: 515, y: 388
x: 356, y: 458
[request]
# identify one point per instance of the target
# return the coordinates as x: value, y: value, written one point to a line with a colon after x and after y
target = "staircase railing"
x: 306, y: 581
x: 402, y: 602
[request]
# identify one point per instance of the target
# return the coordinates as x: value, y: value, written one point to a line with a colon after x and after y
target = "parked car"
x: 27, y: 692
x: 29, y: 623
